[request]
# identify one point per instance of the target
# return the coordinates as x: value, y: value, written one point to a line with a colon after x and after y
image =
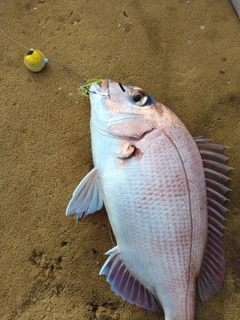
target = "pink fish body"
x: 149, y: 173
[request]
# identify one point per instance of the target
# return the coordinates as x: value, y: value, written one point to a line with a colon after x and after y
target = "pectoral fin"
x: 125, y: 285
x: 87, y: 197
x: 128, y: 151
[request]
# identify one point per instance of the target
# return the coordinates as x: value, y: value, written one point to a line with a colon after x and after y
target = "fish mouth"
x: 95, y: 86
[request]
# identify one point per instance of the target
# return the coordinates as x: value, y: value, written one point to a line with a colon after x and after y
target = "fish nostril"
x: 121, y: 86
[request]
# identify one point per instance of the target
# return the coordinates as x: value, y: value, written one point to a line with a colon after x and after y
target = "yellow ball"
x: 34, y: 60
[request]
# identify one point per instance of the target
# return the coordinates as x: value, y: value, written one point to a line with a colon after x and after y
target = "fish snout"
x: 104, y: 85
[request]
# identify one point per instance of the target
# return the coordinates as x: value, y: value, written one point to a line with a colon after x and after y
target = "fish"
x: 164, y: 193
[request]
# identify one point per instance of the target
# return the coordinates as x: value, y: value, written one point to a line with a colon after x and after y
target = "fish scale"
x: 164, y: 194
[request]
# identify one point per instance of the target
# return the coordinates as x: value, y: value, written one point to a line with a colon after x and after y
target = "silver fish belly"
x: 164, y: 194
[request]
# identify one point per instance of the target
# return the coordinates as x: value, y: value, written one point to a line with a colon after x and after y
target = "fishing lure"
x: 35, y: 60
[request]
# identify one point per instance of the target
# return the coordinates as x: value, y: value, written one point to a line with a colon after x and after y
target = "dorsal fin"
x: 125, y: 285
x: 213, y: 268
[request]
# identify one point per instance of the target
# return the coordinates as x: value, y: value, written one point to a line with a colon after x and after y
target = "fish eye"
x: 139, y: 97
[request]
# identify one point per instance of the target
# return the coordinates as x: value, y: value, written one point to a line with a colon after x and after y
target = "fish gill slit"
x: 190, y: 206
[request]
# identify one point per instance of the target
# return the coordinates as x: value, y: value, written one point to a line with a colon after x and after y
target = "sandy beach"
x: 184, y: 53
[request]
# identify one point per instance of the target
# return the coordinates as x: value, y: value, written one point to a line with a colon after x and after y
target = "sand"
x: 186, y: 54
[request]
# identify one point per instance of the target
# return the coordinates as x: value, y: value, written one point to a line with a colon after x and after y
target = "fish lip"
x: 94, y: 89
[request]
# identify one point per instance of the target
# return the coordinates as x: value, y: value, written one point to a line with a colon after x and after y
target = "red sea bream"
x: 164, y: 194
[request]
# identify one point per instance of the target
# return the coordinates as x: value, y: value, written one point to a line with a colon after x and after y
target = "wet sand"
x: 49, y: 262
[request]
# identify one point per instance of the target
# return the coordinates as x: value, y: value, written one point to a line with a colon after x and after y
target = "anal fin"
x: 125, y: 285
x: 87, y: 196
x: 213, y: 268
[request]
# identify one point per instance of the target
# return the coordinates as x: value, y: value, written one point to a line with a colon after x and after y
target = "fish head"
x: 126, y: 111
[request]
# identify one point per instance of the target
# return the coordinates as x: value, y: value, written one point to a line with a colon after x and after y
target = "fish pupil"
x: 137, y: 97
